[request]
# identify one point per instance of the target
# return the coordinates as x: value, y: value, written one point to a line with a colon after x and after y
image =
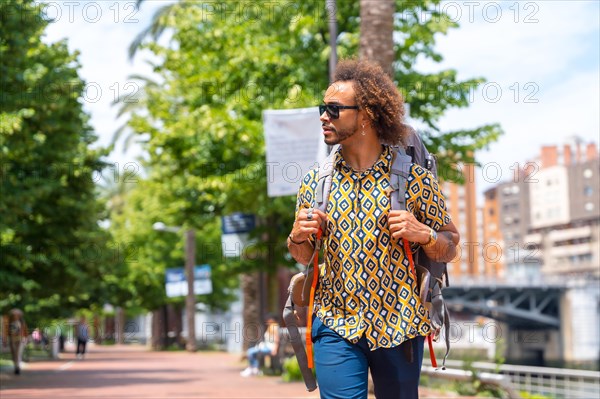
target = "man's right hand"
x: 308, y: 222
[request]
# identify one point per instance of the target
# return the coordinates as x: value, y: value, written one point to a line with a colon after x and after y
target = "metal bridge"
x: 546, y: 320
x: 532, y: 306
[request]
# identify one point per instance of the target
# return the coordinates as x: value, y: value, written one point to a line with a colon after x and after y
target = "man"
x: 17, y: 337
x: 367, y: 315
x: 82, y: 333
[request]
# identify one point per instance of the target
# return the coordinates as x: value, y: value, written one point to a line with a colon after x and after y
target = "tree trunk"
x: 120, y: 324
x: 251, y: 313
x: 377, y: 32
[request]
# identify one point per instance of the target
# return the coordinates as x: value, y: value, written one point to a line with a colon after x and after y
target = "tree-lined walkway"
x: 135, y: 372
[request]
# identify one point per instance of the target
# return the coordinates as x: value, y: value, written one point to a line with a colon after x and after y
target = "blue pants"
x: 342, y: 367
x: 253, y: 353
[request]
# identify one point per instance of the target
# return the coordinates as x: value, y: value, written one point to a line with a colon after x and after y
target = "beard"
x: 339, y: 135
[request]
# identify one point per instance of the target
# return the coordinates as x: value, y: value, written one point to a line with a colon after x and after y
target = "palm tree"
x: 377, y: 32
x: 155, y: 29
x: 129, y: 104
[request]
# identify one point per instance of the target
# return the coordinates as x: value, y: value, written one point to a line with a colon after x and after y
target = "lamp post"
x: 331, y: 7
x: 190, y: 299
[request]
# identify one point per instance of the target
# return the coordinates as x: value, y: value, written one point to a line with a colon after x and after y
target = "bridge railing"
x: 548, y: 381
x: 537, y: 281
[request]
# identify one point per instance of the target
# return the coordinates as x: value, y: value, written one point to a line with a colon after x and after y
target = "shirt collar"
x: 382, y: 164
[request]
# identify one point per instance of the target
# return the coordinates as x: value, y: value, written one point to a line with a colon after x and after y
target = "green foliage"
x: 200, y: 121
x: 500, y: 350
x: 476, y: 387
x: 529, y: 395
x: 291, y: 370
x: 54, y: 254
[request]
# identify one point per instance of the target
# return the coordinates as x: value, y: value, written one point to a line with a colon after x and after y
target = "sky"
x: 541, y: 60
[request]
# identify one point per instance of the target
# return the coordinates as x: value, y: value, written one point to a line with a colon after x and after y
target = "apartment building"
x: 492, y: 235
x: 461, y: 201
x: 506, y: 215
x: 545, y: 220
x: 549, y: 221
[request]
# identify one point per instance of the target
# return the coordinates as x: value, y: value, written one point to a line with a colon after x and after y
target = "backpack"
x: 430, y: 275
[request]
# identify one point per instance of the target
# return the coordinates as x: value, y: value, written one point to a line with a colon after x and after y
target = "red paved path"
x: 135, y: 372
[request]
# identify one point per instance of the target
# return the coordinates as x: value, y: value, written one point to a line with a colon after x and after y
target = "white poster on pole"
x: 294, y: 142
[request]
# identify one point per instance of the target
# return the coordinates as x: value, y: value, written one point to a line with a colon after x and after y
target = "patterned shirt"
x: 366, y: 285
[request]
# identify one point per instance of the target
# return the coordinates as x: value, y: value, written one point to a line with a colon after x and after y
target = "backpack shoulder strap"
x: 325, y: 176
x: 418, y: 152
x: 399, y: 172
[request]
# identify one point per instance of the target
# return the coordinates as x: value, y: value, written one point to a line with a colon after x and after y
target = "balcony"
x: 570, y: 234
x: 534, y: 238
x: 571, y: 250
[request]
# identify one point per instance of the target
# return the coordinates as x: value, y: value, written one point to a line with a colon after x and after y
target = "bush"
x: 291, y: 370
x: 528, y: 395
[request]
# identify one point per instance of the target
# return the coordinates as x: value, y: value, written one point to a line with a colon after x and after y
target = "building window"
x: 589, y: 206
x: 588, y: 191
x: 587, y: 173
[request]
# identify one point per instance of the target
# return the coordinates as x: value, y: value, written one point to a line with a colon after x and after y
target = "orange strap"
x: 408, y: 253
x: 431, y: 352
x: 311, y: 303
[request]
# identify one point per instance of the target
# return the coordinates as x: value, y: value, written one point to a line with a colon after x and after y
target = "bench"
x: 285, y: 350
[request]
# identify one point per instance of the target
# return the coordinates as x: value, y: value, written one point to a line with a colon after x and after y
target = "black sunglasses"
x: 333, y: 110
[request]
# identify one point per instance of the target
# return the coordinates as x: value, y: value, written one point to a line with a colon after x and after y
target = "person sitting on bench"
x: 269, y: 345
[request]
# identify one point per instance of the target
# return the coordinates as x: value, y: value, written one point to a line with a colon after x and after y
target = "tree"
x: 53, y: 252
x: 223, y: 66
x: 415, y: 25
x: 377, y: 31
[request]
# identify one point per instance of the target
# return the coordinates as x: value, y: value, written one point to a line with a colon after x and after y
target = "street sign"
x: 237, y: 223
x: 176, y: 284
x: 235, y: 228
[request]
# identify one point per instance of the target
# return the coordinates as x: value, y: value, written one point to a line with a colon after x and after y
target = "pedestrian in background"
x: 368, y: 315
x: 82, y: 333
x: 17, y: 337
x: 269, y: 345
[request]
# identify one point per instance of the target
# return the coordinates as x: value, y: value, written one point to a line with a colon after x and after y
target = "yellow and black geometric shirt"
x: 366, y: 284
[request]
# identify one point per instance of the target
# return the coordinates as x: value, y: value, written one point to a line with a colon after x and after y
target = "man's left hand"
x: 403, y: 224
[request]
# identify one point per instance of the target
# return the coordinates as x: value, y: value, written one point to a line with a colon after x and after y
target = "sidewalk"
x: 135, y: 372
